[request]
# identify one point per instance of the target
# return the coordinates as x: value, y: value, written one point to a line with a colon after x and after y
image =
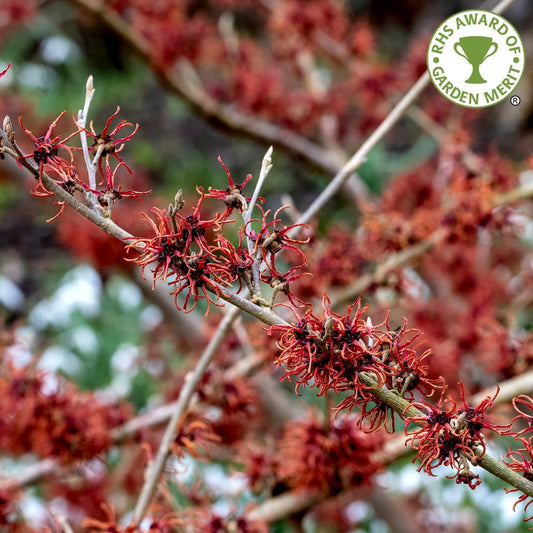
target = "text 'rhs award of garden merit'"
x: 476, y: 58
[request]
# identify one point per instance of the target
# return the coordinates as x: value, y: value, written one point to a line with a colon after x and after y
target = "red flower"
x: 108, y: 526
x: 160, y: 249
x: 281, y: 283
x: 105, y: 143
x: 524, y: 406
x: 66, y: 178
x: 328, y: 457
x: 474, y: 418
x: 113, y: 193
x: 182, y: 256
x: 70, y: 426
x: 200, y: 277
x: 436, y: 441
x: 450, y: 436
x: 270, y: 240
x: 521, y: 461
x: 194, y: 433
x: 232, y: 195
x: 330, y: 352
x: 237, y: 261
x: 47, y: 149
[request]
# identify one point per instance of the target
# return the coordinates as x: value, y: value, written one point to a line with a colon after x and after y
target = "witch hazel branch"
x: 227, y: 247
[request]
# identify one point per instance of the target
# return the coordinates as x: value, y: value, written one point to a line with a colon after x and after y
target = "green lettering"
x: 447, y: 86
x: 491, y: 97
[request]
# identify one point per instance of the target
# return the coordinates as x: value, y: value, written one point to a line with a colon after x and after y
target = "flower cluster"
x: 182, y: 255
x: 191, y: 253
x: 521, y: 459
x: 234, y: 402
x: 47, y: 158
x: 329, y: 457
x: 450, y: 436
x: 70, y: 426
x: 331, y: 352
x: 55, y: 157
x: 194, y: 434
x: 417, y: 205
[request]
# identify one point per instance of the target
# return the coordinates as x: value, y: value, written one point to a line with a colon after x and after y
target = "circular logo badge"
x: 476, y: 58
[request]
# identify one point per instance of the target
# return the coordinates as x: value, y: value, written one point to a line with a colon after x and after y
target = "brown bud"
x: 179, y: 200
x: 8, y: 129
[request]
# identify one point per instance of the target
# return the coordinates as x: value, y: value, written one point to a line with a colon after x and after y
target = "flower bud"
x: 8, y: 129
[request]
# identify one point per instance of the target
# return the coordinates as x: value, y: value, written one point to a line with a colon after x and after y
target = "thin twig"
x: 155, y: 469
x: 393, y: 261
x: 266, y: 166
x: 31, y: 475
x: 359, y: 156
x: 262, y: 313
x: 63, y: 522
x: 502, y: 6
x: 284, y: 505
x: 82, y: 123
x: 509, y: 197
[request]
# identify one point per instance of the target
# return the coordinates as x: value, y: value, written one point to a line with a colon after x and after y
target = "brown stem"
x: 154, y: 470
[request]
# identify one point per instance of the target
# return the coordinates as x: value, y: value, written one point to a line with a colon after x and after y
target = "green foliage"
x: 382, y: 163
x: 143, y: 386
x: 281, y: 526
x: 8, y: 193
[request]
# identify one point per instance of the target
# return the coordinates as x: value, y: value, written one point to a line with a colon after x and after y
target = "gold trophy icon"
x: 475, y: 49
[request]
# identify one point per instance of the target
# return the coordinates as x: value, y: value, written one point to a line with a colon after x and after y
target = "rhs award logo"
x: 476, y: 58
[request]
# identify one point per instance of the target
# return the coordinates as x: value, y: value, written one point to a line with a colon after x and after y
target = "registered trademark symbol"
x: 515, y: 100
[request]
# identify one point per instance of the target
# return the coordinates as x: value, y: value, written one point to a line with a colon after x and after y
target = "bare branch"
x: 266, y: 166
x: 155, y: 470
x: 359, y: 156
x: 284, y: 505
x: 82, y: 122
